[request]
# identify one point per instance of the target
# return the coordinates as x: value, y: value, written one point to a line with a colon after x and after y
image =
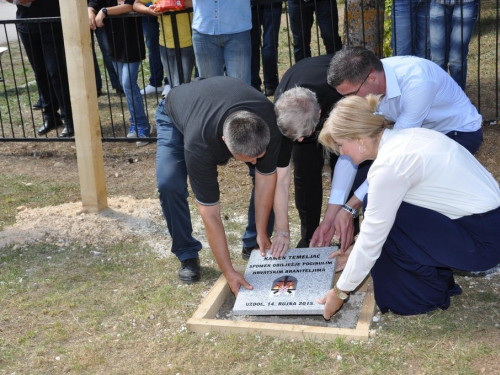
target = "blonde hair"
x: 353, y: 117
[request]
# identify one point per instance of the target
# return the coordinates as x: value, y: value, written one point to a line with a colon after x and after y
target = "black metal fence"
x: 283, y: 32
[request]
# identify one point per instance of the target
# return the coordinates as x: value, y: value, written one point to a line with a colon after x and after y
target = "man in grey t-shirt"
x: 200, y: 126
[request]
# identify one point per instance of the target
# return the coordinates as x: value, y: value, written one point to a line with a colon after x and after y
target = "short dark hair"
x: 246, y: 134
x: 352, y: 64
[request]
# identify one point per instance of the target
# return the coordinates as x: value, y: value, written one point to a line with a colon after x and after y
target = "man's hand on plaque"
x: 341, y: 258
x: 281, y: 244
x: 323, y: 234
x: 264, y: 243
x: 235, y: 280
x: 332, y: 304
x: 344, y: 229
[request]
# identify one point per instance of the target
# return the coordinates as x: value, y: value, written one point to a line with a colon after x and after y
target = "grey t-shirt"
x: 199, y: 109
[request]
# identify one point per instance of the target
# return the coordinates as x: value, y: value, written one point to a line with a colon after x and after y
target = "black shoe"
x: 119, y: 90
x: 303, y: 243
x: 99, y: 93
x: 48, y: 124
x: 190, y: 271
x: 67, y: 132
x: 37, y: 106
x: 247, y: 251
x: 269, y: 91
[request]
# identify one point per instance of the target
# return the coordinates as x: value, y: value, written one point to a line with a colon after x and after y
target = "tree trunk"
x: 364, y: 24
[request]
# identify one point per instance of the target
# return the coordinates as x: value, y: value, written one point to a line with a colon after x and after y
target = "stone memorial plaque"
x: 288, y: 285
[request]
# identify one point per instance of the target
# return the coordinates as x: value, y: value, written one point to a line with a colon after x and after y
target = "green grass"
x: 25, y: 191
x: 124, y: 311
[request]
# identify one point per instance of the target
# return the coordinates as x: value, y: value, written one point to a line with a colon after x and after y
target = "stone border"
x: 203, y: 320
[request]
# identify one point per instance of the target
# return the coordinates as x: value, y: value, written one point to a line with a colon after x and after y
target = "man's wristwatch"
x: 340, y: 293
x: 104, y: 11
x: 352, y: 211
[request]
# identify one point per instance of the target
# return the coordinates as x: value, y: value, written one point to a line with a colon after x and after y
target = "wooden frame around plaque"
x: 203, y: 320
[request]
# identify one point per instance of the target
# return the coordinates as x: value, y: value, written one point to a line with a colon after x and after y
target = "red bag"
x: 167, y: 5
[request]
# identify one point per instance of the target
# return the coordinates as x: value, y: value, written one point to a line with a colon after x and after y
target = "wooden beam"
x: 368, y: 308
x: 83, y: 94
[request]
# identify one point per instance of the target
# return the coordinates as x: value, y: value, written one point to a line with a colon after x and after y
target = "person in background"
x: 127, y: 50
x: 151, y: 32
x: 451, y: 25
x: 44, y: 45
x: 221, y: 38
x: 167, y: 45
x: 102, y: 40
x: 266, y: 17
x: 302, y: 20
x: 410, y: 28
x: 431, y: 208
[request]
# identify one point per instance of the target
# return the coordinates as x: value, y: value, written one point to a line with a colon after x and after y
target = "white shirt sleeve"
x: 386, y: 192
x: 415, y: 103
x: 361, y: 190
x: 343, y: 178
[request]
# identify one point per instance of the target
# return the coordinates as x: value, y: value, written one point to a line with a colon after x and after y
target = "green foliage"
x: 388, y: 28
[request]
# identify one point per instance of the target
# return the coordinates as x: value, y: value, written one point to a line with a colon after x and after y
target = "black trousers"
x: 308, y: 161
x: 46, y: 55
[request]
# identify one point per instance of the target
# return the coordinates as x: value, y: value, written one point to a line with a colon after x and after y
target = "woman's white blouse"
x: 424, y: 168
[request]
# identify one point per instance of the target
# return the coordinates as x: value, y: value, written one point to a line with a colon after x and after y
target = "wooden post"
x: 83, y: 94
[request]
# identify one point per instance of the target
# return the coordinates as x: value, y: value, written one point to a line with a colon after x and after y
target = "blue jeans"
x: 301, y: 22
x: 267, y: 16
x: 127, y: 73
x: 169, y: 61
x: 151, y: 30
x: 249, y: 238
x: 451, y: 28
x: 214, y: 51
x: 410, y: 28
x: 102, y: 40
x: 171, y: 177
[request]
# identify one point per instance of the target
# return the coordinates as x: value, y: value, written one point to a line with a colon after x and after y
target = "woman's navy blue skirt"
x: 413, y: 274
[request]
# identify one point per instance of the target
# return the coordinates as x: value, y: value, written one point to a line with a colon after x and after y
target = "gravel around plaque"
x: 347, y: 317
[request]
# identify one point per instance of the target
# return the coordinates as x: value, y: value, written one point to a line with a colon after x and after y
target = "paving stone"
x: 289, y: 285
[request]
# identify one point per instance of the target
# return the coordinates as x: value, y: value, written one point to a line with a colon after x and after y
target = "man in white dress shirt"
x: 416, y: 93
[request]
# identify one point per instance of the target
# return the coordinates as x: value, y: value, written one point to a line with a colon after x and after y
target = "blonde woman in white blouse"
x: 431, y: 206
